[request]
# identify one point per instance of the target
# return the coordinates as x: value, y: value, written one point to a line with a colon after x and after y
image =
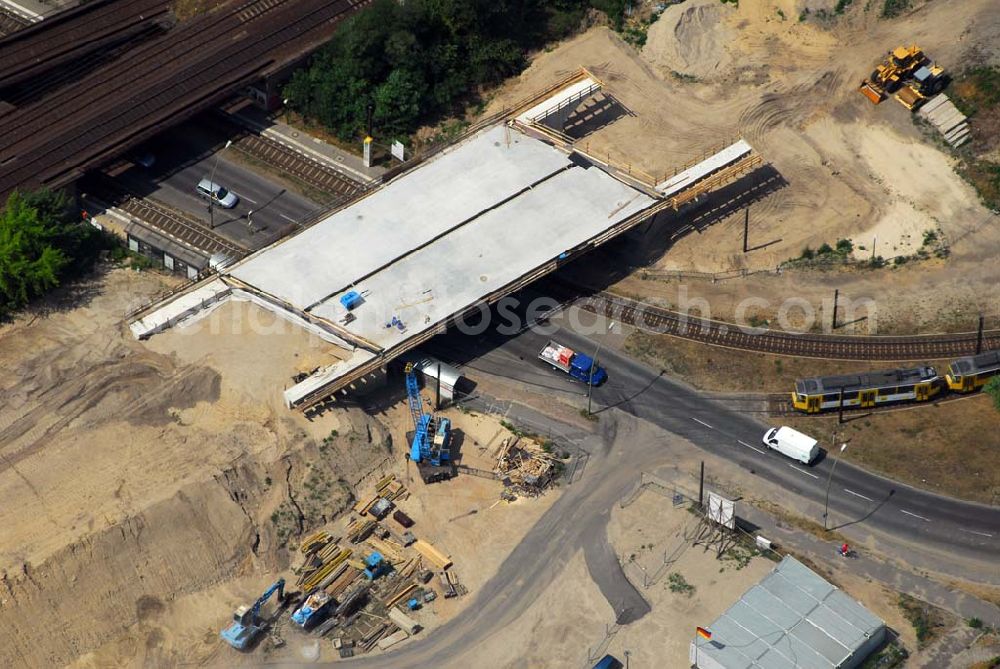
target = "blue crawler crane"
x: 431, y: 447
x: 247, y: 623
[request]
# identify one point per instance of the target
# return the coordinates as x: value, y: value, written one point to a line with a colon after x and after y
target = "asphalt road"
x: 857, y: 497
x: 619, y: 452
x: 181, y: 164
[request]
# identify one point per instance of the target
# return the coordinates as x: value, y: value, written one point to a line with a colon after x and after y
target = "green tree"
x: 42, y: 243
x: 29, y: 262
x: 992, y: 388
x: 397, y: 103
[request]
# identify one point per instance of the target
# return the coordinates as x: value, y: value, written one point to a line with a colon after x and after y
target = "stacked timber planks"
x: 431, y: 554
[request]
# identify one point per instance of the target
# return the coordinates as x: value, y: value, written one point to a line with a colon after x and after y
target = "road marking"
x: 290, y: 220
x: 857, y: 494
x: 982, y: 534
x: 243, y: 197
x: 751, y: 447
x: 910, y: 513
x: 798, y: 469
x: 702, y: 422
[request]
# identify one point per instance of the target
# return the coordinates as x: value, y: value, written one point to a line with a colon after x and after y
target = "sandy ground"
x: 142, y: 479
x: 642, y: 534
x: 711, y: 71
x: 138, y: 476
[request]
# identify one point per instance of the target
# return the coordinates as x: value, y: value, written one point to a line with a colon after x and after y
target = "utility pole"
x: 211, y: 197
x: 437, y: 392
x: 840, y: 412
x: 836, y: 298
x: 593, y: 368
x: 746, y: 228
x: 979, y: 335
x: 701, y: 486
x: 826, y: 504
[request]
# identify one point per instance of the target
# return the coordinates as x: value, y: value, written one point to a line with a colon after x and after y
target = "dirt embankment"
x: 148, y: 493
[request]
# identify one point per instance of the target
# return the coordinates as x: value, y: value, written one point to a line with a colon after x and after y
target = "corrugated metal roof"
x: 792, y: 618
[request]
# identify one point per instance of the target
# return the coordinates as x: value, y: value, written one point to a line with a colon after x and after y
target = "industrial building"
x: 793, y: 618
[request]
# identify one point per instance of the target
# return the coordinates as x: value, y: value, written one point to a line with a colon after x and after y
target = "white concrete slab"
x: 571, y: 93
x: 457, y: 270
x: 413, y: 209
x: 176, y: 310
x: 692, y: 175
x: 321, y: 378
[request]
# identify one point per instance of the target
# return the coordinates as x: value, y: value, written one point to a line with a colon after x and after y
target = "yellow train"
x: 868, y: 389
x: 971, y: 373
x: 919, y: 384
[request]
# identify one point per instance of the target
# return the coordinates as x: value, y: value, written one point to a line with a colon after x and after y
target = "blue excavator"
x: 247, y: 623
x: 431, y: 447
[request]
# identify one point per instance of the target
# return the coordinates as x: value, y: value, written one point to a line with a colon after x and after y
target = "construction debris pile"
x: 361, y: 587
x: 523, y: 466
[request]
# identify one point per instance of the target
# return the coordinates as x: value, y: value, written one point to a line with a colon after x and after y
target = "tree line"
x: 415, y: 61
x: 43, y: 242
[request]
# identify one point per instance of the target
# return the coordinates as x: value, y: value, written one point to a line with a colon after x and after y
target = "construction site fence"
x: 680, y: 495
x: 744, y: 272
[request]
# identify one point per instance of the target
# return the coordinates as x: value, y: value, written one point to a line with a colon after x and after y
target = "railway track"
x: 73, y: 35
x: 825, y: 347
x: 164, y: 80
x: 314, y: 173
x: 167, y: 221
x: 10, y: 22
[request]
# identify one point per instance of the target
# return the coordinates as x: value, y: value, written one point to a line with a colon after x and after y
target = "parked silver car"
x: 220, y: 195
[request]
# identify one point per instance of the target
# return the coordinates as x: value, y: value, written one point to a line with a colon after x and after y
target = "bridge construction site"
x: 513, y: 200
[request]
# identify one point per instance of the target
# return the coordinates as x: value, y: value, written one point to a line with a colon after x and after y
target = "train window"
x: 885, y: 392
x: 905, y: 389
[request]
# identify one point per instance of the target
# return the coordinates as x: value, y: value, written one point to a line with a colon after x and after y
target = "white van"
x: 792, y: 443
x: 214, y: 191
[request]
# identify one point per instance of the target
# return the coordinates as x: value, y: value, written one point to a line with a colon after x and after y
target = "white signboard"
x: 722, y: 510
x: 398, y: 151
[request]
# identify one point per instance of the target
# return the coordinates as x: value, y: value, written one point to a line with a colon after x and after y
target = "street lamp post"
x: 829, y: 480
x: 211, y: 197
x: 593, y: 368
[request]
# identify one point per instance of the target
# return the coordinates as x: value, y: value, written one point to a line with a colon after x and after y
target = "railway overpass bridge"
x: 85, y: 85
x: 513, y: 200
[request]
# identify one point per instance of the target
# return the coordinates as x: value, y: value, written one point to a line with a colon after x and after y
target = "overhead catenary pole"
x: 979, y: 335
x: 840, y: 407
x: 746, y: 229
x: 836, y: 298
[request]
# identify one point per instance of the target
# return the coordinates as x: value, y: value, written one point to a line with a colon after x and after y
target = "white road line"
x: 910, y: 513
x: 857, y: 494
x: 243, y: 197
x: 982, y: 534
x: 750, y: 447
x: 799, y: 469
x: 290, y: 220
x: 702, y: 422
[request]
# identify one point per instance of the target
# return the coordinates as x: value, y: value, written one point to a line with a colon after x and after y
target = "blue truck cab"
x: 578, y: 365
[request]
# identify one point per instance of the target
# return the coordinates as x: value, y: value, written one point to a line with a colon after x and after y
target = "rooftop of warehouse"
x: 792, y: 618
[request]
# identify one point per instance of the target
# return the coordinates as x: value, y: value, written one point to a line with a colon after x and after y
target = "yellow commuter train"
x: 868, y: 389
x: 971, y: 373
